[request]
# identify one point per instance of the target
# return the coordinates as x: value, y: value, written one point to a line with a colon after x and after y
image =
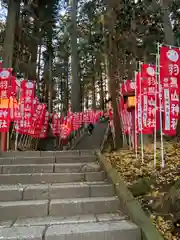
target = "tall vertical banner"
x: 26, y: 107
x: 169, y: 82
x: 148, y: 91
x: 138, y: 104
x: 138, y: 112
x: 4, y: 119
x: 5, y: 77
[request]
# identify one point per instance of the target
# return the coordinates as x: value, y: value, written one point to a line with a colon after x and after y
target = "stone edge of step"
x: 54, y: 191
x: 45, y: 160
x: 58, y: 201
x: 68, y: 153
x: 57, y: 207
x: 49, y: 220
x: 50, y: 168
x: 43, y: 178
x: 130, y: 205
x: 120, y: 229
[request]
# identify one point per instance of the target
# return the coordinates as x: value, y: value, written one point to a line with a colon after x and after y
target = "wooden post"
x: 3, y: 142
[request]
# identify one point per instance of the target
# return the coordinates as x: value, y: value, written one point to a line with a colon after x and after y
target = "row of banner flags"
x: 30, y: 117
x: 156, y: 89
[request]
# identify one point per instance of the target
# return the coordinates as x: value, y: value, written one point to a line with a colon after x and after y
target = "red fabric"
x: 169, y: 79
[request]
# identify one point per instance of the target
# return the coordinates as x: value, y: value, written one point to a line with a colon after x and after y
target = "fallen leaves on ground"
x: 133, y: 170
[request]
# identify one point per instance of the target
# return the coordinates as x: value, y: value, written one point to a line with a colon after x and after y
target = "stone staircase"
x: 94, y: 141
x: 59, y: 196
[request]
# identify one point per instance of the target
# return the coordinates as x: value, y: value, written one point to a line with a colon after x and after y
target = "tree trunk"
x: 66, y: 91
x: 100, y: 81
x: 167, y: 26
x: 17, y: 43
x: 101, y: 92
x: 93, y: 85
x: 113, y: 93
x: 34, y: 50
x: 50, y: 85
x: 75, y: 87
x: 8, y: 46
x: 112, y: 67
x: 39, y: 67
x: 93, y: 95
x: 87, y: 101
x: 45, y: 79
x: 168, y: 31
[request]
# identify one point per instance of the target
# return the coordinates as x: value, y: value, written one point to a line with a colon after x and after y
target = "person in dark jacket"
x: 90, y: 128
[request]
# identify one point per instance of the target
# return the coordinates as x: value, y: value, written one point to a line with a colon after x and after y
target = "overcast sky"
x: 3, y: 13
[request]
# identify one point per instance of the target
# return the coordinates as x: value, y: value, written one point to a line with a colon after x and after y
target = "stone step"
x: 23, y: 209
x: 86, y: 152
x: 77, y: 206
x: 119, y: 230
x: 35, y: 178
x: 50, y: 168
x: 55, y: 191
x: 60, y: 207
x: 46, y: 160
x: 20, y: 153
x: 68, y: 153
x: 83, y: 159
x: 65, y: 220
x: 49, y: 220
x: 115, y: 230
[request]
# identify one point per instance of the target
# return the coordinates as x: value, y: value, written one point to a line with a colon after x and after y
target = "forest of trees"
x: 79, y: 50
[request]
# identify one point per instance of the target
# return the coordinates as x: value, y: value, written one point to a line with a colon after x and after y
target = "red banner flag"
x: 169, y: 87
x: 138, y: 98
x: 149, y: 101
x: 4, y: 119
x: 5, y: 77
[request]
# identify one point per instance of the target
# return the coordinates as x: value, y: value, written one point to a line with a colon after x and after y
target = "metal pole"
x: 141, y: 135
x: 155, y: 117
x: 16, y: 141
x: 135, y: 131
x: 160, y: 104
